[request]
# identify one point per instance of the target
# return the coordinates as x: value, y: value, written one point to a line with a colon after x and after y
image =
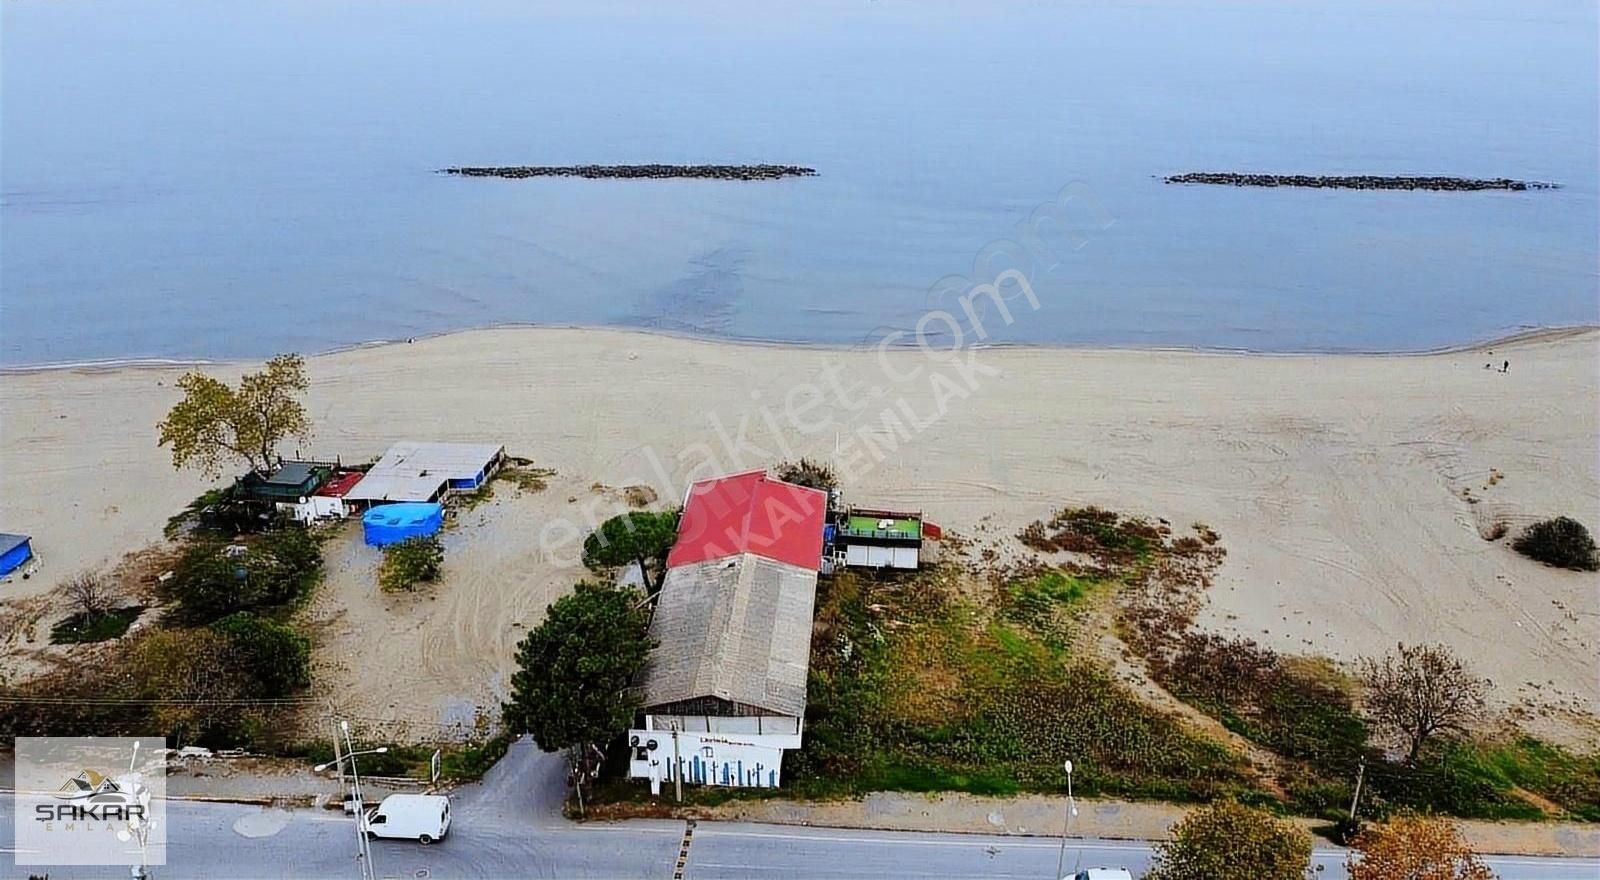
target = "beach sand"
x: 1354, y: 493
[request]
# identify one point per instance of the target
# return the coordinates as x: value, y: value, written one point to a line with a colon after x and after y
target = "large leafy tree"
x: 571, y: 689
x: 1227, y: 840
x: 1415, y: 848
x: 640, y: 536
x: 214, y: 424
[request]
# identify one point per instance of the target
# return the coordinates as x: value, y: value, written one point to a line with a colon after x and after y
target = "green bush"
x: 212, y: 581
x: 81, y: 629
x: 410, y: 562
x: 1227, y: 840
x: 1561, y: 542
x: 275, y: 655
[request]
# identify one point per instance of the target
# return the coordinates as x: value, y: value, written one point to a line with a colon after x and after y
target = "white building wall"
x: 706, y: 759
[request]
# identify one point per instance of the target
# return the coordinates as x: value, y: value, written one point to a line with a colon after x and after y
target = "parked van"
x: 420, y: 817
x: 1101, y: 874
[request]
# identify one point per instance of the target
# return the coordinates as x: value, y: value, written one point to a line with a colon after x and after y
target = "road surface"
x: 510, y: 826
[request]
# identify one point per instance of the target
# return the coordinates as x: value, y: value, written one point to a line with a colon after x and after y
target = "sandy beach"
x: 1355, y: 494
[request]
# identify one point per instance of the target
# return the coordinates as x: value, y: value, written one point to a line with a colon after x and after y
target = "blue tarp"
x: 14, y: 551
x: 391, y: 523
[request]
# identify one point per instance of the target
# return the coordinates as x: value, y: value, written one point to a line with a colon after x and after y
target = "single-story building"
x: 870, y: 538
x: 724, y: 689
x: 326, y: 501
x: 289, y: 483
x: 15, y: 551
x: 424, y: 472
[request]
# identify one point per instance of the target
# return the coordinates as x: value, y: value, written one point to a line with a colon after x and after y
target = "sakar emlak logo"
x: 91, y: 796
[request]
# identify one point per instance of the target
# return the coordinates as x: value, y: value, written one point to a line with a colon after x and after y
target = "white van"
x: 420, y: 817
x: 1101, y: 874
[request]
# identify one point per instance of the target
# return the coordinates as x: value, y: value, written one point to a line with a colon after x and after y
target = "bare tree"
x: 1419, y: 691
x: 89, y: 594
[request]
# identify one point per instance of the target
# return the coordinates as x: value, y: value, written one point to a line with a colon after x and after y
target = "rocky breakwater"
x: 648, y: 172
x: 1360, y: 181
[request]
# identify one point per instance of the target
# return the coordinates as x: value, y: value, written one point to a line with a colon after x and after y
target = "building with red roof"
x: 751, y: 513
x: 732, y: 633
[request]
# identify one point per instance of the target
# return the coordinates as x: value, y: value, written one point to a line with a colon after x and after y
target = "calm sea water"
x: 189, y: 179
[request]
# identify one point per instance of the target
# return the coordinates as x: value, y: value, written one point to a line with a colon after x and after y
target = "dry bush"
x: 89, y: 594
x: 1414, y: 847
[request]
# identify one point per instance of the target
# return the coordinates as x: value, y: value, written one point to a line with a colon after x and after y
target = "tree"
x: 1414, y: 847
x: 640, y: 536
x: 571, y: 689
x: 1227, y: 840
x: 276, y: 656
x: 1562, y: 542
x: 214, y: 423
x: 411, y: 561
x: 1419, y: 691
x: 89, y: 595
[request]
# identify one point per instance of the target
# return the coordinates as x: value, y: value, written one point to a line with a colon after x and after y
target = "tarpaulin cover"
x: 391, y: 523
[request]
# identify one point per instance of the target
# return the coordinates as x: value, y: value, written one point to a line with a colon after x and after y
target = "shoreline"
x: 1525, y: 336
x: 1363, y: 501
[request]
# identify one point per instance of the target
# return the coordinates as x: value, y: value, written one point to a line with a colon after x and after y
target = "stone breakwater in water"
x: 702, y: 172
x: 1364, y: 181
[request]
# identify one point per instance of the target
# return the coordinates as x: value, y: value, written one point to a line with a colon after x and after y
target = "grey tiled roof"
x: 736, y: 628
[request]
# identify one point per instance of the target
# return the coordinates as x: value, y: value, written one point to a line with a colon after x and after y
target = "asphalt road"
x: 510, y: 826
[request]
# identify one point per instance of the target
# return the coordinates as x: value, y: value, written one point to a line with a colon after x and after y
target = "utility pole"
x: 1361, y: 775
x: 1066, y: 822
x: 677, y: 767
x: 363, y: 845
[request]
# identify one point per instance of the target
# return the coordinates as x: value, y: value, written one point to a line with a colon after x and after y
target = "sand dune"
x: 1353, y: 492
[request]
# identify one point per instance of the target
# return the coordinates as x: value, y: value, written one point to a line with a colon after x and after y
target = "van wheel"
x: 424, y: 839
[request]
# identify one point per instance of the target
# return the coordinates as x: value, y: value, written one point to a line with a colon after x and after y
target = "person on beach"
x: 1506, y: 367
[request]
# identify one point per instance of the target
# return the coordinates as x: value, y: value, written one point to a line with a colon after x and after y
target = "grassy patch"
x: 78, y: 629
x: 916, y: 687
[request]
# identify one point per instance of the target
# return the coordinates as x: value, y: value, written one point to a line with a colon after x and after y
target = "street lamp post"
x: 1066, y: 823
x: 363, y: 845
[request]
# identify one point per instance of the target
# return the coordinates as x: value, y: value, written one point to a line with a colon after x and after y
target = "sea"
x: 216, y: 180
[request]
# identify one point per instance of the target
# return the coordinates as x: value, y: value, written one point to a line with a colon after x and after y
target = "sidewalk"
x: 249, y: 780
x: 1038, y: 815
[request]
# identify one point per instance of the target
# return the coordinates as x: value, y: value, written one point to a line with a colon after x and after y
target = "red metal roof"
x: 751, y: 513
x: 339, y: 484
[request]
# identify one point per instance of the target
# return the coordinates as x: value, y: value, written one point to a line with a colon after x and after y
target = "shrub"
x: 213, y: 580
x: 89, y: 594
x: 1229, y: 841
x: 1414, y: 846
x: 275, y: 655
x: 805, y: 472
x: 1562, y: 542
x: 410, y: 562
x: 78, y: 629
x: 194, y: 681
